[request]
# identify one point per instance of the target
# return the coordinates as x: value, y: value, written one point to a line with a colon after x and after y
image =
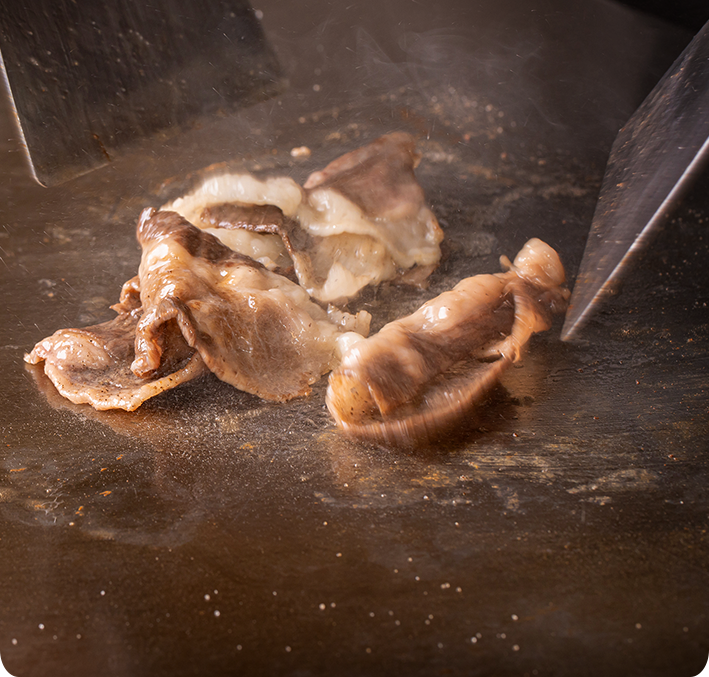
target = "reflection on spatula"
x: 655, y: 157
x: 88, y: 78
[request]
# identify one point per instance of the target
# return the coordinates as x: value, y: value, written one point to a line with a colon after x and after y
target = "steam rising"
x: 572, y: 75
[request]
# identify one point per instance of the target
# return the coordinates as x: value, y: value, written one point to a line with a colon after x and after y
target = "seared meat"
x: 198, y: 305
x: 253, y: 328
x: 278, y: 196
x: 419, y: 374
x: 262, y: 219
x: 361, y: 220
x: 371, y: 214
x: 92, y: 365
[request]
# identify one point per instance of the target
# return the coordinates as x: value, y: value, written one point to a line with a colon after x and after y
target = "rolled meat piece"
x: 420, y: 374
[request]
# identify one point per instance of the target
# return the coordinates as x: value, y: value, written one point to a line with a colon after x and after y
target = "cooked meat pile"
x: 212, y: 294
x: 195, y: 302
x: 362, y: 220
x: 420, y: 374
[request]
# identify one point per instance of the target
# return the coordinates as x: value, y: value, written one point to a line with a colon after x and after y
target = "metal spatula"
x: 654, y: 158
x: 88, y: 78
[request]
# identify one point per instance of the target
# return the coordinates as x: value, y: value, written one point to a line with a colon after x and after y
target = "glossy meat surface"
x: 419, y: 374
x: 253, y: 328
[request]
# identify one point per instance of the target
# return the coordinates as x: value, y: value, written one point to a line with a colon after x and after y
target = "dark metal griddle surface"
x: 563, y: 531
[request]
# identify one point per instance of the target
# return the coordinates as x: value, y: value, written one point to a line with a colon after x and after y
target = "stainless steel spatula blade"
x: 654, y: 158
x: 89, y: 78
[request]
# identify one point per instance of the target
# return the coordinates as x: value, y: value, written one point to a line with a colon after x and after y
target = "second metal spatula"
x: 88, y: 78
x: 654, y: 159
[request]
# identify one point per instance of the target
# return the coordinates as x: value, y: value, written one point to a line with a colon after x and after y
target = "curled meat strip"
x: 92, y: 365
x: 253, y: 328
x: 422, y: 373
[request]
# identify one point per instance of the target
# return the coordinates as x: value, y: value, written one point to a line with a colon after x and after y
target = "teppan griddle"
x: 561, y: 531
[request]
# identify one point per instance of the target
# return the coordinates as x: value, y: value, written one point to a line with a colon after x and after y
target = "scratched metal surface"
x: 562, y: 531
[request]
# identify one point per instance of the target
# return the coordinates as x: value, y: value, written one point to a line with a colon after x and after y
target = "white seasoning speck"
x: 301, y: 151
x: 515, y: 617
x: 217, y: 613
x: 41, y: 626
x: 638, y: 626
x: 14, y: 642
x: 515, y: 647
x: 288, y: 649
x: 207, y: 598
x: 103, y: 592
x: 473, y: 640
x: 321, y: 607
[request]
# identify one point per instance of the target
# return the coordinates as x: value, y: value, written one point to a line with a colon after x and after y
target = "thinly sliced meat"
x: 231, y: 220
x: 253, y: 328
x: 332, y: 269
x: 277, y: 194
x: 420, y: 374
x: 372, y: 192
x: 92, y: 365
x: 362, y: 220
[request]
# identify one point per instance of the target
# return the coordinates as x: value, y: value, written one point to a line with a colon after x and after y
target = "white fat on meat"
x: 362, y: 219
x: 368, y: 214
x: 282, y: 192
